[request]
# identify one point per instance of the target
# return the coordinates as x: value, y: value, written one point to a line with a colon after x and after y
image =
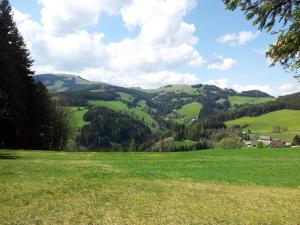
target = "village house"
x: 266, y: 140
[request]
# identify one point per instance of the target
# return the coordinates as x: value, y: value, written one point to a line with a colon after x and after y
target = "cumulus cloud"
x: 221, y: 63
x: 165, y: 41
x: 222, y: 83
x: 265, y: 88
x: 144, y: 80
x: 235, y: 39
x: 64, y: 16
x: 274, y: 90
x: 288, y: 88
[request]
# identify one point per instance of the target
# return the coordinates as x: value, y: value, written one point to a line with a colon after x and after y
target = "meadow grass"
x: 263, y: 124
x: 240, y: 100
x: 246, y: 186
x: 186, y: 143
x: 190, y: 111
x: 78, y: 121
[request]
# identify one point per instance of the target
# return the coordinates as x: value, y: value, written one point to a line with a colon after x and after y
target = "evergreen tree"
x: 268, y: 14
x: 29, y: 118
x: 15, y: 80
x: 296, y: 140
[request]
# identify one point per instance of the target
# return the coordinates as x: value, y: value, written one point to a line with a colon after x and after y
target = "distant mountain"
x: 255, y: 93
x: 65, y: 82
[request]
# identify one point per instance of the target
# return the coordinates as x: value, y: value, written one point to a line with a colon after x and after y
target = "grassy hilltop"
x: 206, y: 187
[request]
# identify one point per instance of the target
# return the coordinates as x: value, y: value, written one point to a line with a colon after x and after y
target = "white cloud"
x: 222, y: 83
x: 265, y: 88
x: 61, y: 42
x: 221, y: 63
x: 144, y: 80
x: 235, y: 39
x: 288, y: 88
x: 64, y: 16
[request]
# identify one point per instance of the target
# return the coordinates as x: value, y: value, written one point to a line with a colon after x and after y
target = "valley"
x: 180, y: 116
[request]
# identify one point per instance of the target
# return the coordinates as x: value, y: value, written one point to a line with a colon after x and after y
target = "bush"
x: 296, y: 140
x: 229, y: 143
x: 260, y: 145
x: 276, y: 129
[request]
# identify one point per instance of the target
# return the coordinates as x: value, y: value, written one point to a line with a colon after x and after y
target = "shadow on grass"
x: 4, y: 156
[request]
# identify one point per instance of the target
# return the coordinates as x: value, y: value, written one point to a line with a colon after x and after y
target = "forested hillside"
x: 165, y: 119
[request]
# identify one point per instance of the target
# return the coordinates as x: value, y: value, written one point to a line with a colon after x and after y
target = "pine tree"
x: 27, y: 114
x: 15, y: 80
x: 269, y: 15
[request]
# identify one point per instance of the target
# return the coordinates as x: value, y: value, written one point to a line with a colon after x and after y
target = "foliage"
x: 106, y: 127
x: 260, y: 145
x: 270, y: 14
x: 296, y: 140
x: 229, y: 143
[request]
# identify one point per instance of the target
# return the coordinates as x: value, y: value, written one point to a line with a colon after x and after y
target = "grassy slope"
x: 256, y: 186
x: 264, y: 123
x: 78, y: 116
x: 240, y: 100
x: 190, y: 111
x: 120, y: 106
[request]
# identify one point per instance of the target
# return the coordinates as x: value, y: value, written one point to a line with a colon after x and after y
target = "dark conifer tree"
x: 15, y: 80
x: 27, y: 113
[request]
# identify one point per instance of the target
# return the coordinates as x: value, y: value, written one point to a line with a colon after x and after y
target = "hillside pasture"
x: 77, y: 115
x: 190, y: 111
x: 238, y: 187
x: 287, y: 120
x: 241, y: 100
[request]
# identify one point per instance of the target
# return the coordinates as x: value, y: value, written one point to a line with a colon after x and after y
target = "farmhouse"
x: 266, y: 140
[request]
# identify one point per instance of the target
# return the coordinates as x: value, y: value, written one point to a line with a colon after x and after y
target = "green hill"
x: 240, y: 100
x: 287, y: 120
x: 64, y: 82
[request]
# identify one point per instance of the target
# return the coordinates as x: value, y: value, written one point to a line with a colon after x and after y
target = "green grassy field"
x: 190, y: 111
x: 120, y: 106
x: 240, y: 100
x: 246, y: 186
x: 263, y: 124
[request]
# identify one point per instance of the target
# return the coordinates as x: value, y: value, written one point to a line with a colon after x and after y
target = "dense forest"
x: 108, y: 129
x: 29, y: 117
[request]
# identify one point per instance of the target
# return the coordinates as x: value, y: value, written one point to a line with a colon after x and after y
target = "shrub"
x: 296, y: 140
x: 276, y: 129
x: 260, y: 145
x: 229, y: 143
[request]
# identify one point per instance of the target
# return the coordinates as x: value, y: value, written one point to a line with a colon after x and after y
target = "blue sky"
x: 150, y: 43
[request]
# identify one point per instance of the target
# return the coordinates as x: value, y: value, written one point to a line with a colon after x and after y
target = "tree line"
x: 29, y: 117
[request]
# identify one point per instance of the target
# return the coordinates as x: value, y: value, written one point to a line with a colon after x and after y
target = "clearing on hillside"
x: 190, y: 111
x: 240, y: 100
x: 137, y: 111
